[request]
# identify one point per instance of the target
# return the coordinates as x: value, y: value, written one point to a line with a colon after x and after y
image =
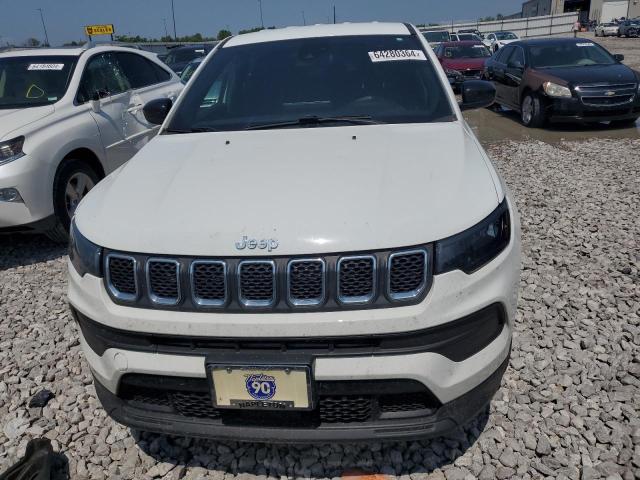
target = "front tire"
x: 532, y: 112
x: 74, y: 179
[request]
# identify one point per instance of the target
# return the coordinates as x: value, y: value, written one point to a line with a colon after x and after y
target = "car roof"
x: 462, y: 42
x: 71, y: 51
x: 323, y: 30
x: 550, y: 41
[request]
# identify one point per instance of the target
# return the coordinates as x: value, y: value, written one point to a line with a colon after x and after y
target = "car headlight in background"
x: 11, y: 150
x: 555, y: 90
x: 477, y: 246
x: 85, y: 256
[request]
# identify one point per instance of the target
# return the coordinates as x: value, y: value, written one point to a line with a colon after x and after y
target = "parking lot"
x: 569, y: 406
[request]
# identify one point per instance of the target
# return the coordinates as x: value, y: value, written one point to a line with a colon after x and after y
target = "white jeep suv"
x: 315, y: 247
x: 68, y: 117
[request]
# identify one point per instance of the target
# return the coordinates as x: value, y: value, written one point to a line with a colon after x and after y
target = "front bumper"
x: 573, y: 110
x: 25, y: 175
x: 266, y: 428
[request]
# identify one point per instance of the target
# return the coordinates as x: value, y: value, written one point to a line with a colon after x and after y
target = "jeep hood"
x: 314, y: 190
x: 13, y: 119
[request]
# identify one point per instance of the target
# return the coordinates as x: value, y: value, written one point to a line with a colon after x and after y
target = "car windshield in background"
x: 436, y: 36
x: 505, y: 36
x: 467, y: 51
x: 469, y: 37
x: 34, y: 81
x: 186, y: 55
x: 326, y: 81
x: 579, y: 54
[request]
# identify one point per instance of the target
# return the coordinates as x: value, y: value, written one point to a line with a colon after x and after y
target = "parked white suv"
x: 68, y: 117
x: 314, y: 248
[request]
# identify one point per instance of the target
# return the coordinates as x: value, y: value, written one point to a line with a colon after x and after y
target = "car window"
x: 435, y: 37
x: 466, y: 51
x: 161, y: 74
x: 102, y: 76
x: 569, y: 54
x: 137, y: 69
x: 503, y: 54
x: 31, y: 81
x: 325, y: 77
x: 516, y: 57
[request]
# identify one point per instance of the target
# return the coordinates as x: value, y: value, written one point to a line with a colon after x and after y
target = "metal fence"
x: 524, y: 27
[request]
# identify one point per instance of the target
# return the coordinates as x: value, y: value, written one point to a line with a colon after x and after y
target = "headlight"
x: 555, y: 90
x: 477, y: 246
x: 85, y: 256
x: 11, y: 150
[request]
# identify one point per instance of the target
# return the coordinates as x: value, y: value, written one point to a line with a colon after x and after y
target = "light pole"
x: 261, y: 17
x: 173, y: 12
x: 304, y: 19
x: 44, y: 27
x: 166, y: 32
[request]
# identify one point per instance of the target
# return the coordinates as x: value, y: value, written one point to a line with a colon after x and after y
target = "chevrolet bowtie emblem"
x: 610, y: 93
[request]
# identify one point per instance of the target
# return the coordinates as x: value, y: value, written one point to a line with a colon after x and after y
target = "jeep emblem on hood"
x: 252, y: 243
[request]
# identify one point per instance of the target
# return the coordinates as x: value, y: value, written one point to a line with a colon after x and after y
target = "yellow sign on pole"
x: 99, y: 30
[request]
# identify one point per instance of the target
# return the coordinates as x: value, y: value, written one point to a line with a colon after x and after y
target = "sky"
x: 65, y: 19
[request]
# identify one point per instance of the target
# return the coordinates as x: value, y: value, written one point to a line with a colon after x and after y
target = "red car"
x: 462, y: 60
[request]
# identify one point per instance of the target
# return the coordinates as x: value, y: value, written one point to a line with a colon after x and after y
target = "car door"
x: 514, y: 71
x: 148, y: 82
x: 105, y: 93
x: 498, y: 75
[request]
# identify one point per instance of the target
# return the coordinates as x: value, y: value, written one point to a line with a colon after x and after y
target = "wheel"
x: 629, y: 122
x: 531, y: 111
x: 73, y: 181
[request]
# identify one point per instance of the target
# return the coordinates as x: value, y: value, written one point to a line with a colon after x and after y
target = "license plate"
x: 261, y: 388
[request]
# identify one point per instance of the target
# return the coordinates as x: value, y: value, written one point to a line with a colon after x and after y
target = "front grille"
x: 191, y: 398
x: 332, y: 282
x: 163, y: 279
x: 257, y: 280
x: 356, y: 279
x: 607, y: 94
x: 209, y: 283
x: 121, y: 277
x: 306, y: 282
x: 407, y: 274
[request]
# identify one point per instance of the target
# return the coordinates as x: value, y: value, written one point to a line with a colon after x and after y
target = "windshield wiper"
x: 189, y: 130
x: 351, y: 119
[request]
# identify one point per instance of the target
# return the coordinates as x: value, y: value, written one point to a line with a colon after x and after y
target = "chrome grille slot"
x: 121, y: 277
x: 357, y: 279
x: 256, y: 283
x: 407, y: 276
x: 163, y: 281
x: 306, y: 282
x: 209, y: 283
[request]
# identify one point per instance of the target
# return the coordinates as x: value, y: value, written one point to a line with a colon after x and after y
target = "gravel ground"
x: 569, y: 403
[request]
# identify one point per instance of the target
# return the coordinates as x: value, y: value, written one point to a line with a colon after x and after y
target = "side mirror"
x: 157, y: 110
x: 95, y: 102
x: 619, y: 57
x: 477, y: 94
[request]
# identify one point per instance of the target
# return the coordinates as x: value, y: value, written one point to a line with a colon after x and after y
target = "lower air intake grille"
x: 345, y: 409
x: 356, y: 279
x: 407, y: 274
x: 257, y: 283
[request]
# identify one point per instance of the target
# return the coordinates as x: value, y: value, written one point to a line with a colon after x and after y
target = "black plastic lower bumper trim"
x: 456, y: 340
x: 449, y: 416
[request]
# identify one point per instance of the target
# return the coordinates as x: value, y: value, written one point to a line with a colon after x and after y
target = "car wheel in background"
x: 531, y: 111
x: 73, y: 181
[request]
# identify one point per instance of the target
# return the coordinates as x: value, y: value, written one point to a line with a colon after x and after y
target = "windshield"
x: 436, y: 36
x: 467, y: 51
x: 34, y: 81
x: 385, y: 79
x: 505, y: 36
x: 569, y: 55
x: 184, y: 55
x: 188, y: 71
x: 469, y: 36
